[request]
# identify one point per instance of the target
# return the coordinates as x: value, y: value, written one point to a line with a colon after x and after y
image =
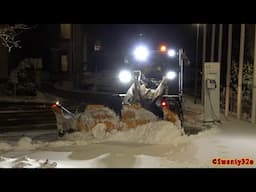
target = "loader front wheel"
x: 61, y: 133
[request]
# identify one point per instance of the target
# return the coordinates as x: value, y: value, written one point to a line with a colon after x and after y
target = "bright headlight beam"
x: 141, y: 53
x: 171, y: 53
x: 125, y: 76
x: 171, y: 75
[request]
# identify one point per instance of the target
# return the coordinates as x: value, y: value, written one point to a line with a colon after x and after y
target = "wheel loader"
x: 151, y: 96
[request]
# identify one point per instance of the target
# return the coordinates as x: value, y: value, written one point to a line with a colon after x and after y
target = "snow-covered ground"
x: 155, y: 145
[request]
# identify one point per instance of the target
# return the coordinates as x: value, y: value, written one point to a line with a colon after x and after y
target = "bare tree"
x: 9, y: 33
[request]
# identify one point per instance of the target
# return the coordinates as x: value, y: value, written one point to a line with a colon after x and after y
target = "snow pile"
x: 96, y: 135
x: 60, y: 143
x: 79, y: 135
x: 25, y: 162
x: 5, y: 146
x: 100, y: 112
x: 99, y: 131
x: 160, y: 132
x: 207, y: 133
x: 95, y: 114
x: 25, y: 143
x: 140, y: 113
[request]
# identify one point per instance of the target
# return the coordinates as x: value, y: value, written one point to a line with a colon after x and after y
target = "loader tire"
x: 61, y: 133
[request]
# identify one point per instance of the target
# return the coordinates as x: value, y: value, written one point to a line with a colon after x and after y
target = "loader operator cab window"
x: 158, y: 66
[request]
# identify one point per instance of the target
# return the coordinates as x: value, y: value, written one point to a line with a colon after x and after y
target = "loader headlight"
x: 125, y: 76
x: 171, y: 53
x: 141, y: 53
x: 171, y: 75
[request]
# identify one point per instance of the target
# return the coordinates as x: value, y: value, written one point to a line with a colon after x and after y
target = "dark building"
x: 66, y: 50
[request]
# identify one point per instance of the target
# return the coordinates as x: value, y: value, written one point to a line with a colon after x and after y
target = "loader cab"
x: 158, y: 65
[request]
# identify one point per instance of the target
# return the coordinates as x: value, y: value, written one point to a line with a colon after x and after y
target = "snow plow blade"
x: 131, y: 117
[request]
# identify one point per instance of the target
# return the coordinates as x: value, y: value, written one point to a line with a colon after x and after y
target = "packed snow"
x: 160, y: 132
x: 5, y: 146
x: 26, y: 162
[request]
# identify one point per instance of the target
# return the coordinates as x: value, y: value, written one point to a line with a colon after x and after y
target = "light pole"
x: 196, y: 63
x: 203, y: 60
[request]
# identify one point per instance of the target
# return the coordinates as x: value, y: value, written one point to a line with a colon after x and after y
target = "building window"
x: 65, y: 30
x: 64, y: 63
x: 97, y: 46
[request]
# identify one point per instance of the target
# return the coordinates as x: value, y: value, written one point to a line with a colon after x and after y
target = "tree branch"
x: 8, y: 34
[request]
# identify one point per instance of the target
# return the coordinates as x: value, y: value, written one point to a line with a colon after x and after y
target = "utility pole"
x: 196, y: 63
x: 203, y: 61
x: 213, y: 42
x: 220, y: 43
x: 228, y: 69
x: 240, y: 71
x: 253, y: 120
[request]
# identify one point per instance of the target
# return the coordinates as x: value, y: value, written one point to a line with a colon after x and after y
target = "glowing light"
x: 171, y: 75
x: 141, y: 53
x: 171, y: 52
x: 164, y: 104
x: 125, y: 76
x: 163, y: 48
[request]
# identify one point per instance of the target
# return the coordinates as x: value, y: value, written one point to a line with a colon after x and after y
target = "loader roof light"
x: 125, y: 76
x: 171, y: 75
x: 163, y: 48
x: 171, y: 53
x: 141, y: 53
x: 57, y: 103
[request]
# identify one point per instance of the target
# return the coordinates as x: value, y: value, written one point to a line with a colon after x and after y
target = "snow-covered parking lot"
x: 158, y: 144
x: 143, y: 147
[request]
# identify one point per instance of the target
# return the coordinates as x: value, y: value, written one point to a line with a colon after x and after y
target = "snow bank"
x: 60, y: 143
x: 207, y: 132
x: 25, y: 143
x: 160, y: 132
x: 5, y: 146
x: 99, y: 131
x: 140, y: 113
x: 25, y: 162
